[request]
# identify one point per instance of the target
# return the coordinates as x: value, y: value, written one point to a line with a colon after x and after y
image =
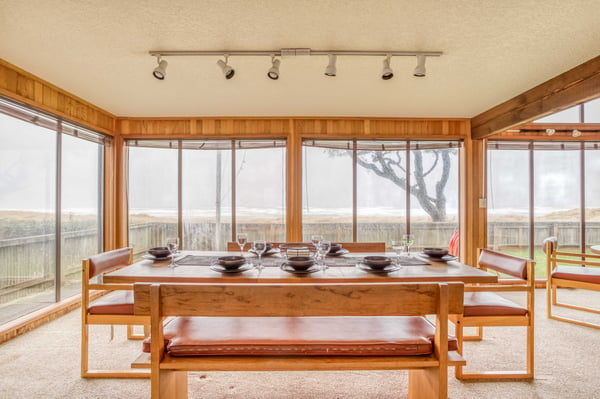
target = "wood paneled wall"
x: 405, y: 128
x: 29, y: 89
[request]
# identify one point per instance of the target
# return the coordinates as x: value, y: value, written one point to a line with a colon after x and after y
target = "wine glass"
x: 259, y: 247
x: 242, y: 239
x: 409, y: 239
x: 173, y: 245
x: 315, y: 239
x: 323, y: 248
x: 398, y: 247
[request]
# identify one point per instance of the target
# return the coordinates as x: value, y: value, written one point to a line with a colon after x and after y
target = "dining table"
x: 203, y: 267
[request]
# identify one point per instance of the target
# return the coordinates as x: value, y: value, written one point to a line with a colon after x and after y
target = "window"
x: 535, y: 191
x: 226, y: 186
x: 397, y: 186
x: 36, y: 269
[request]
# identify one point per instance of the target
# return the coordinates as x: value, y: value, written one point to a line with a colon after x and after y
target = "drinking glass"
x: 315, y: 240
x: 242, y: 239
x: 409, y: 240
x: 259, y: 247
x: 398, y: 247
x: 323, y: 248
x: 173, y: 245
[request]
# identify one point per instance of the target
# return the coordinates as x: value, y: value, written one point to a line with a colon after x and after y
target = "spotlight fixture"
x: 550, y: 132
x: 420, y: 68
x: 387, y: 73
x: 228, y: 71
x: 274, y: 70
x: 576, y: 133
x: 331, y: 70
x: 161, y: 70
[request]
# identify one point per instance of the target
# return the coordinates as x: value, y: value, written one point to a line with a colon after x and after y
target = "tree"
x: 391, y: 165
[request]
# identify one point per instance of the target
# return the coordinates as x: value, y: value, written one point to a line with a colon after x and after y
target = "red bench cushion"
x: 578, y: 273
x: 297, y: 336
x: 490, y: 304
x: 115, y: 302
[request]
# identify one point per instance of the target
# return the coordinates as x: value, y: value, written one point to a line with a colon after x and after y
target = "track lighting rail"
x: 293, y: 52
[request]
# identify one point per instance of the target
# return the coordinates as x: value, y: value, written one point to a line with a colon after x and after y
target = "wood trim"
x: 311, y: 127
x: 575, y: 86
x: 294, y: 187
x: 27, y: 88
x: 473, y: 218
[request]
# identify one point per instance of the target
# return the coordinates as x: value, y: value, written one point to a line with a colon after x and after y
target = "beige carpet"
x: 44, y: 363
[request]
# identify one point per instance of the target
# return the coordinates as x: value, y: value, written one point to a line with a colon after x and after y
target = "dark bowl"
x: 231, y: 262
x: 300, y: 262
x: 377, y: 262
x: 268, y: 247
x: 159, y: 252
x: 335, y: 247
x: 435, y: 252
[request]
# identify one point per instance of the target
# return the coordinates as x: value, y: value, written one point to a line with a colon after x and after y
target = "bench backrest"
x: 297, y: 299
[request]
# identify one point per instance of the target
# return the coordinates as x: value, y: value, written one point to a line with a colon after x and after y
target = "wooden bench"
x: 570, y: 270
x: 287, y: 327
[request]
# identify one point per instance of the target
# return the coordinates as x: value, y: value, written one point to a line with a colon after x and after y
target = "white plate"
x: 387, y: 269
x: 221, y: 269
x: 154, y: 258
x: 445, y: 258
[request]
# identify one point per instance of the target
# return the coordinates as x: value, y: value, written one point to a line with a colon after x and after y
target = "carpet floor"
x: 44, y: 363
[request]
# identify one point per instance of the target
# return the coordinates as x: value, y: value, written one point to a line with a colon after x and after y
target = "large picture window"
x: 51, y: 176
x: 212, y: 188
x: 542, y: 189
x: 369, y: 191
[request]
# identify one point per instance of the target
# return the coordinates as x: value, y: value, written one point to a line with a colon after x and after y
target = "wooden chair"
x: 293, y: 327
x: 114, y: 308
x: 484, y: 308
x: 570, y: 270
x: 350, y: 246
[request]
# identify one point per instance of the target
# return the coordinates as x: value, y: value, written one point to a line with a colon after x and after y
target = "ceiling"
x: 493, y: 50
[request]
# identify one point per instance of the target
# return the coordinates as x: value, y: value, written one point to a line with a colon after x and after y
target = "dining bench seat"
x: 300, y: 327
x: 300, y: 336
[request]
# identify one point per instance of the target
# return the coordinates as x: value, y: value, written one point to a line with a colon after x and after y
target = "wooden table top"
x: 150, y: 271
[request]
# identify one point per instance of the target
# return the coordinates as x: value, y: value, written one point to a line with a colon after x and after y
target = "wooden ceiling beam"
x: 575, y: 86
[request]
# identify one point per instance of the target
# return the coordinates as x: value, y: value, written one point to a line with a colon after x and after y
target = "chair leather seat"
x: 578, y: 273
x: 299, y: 336
x: 115, y: 302
x: 490, y: 304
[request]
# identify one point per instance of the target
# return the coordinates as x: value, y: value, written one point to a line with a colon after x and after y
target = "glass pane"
x: 152, y: 189
x: 569, y: 115
x: 592, y: 197
x: 27, y: 217
x: 327, y: 193
x: 557, y: 200
x: 206, y: 195
x: 591, y: 111
x: 381, y: 194
x: 508, y: 202
x: 80, y: 216
x: 434, y: 197
x: 260, y: 193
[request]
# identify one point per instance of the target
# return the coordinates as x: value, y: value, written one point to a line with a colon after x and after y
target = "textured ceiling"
x: 493, y: 50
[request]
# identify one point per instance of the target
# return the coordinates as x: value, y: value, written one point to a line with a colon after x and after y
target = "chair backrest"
x: 298, y: 299
x: 350, y: 246
x: 504, y: 263
x: 108, y: 261
x: 550, y: 245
